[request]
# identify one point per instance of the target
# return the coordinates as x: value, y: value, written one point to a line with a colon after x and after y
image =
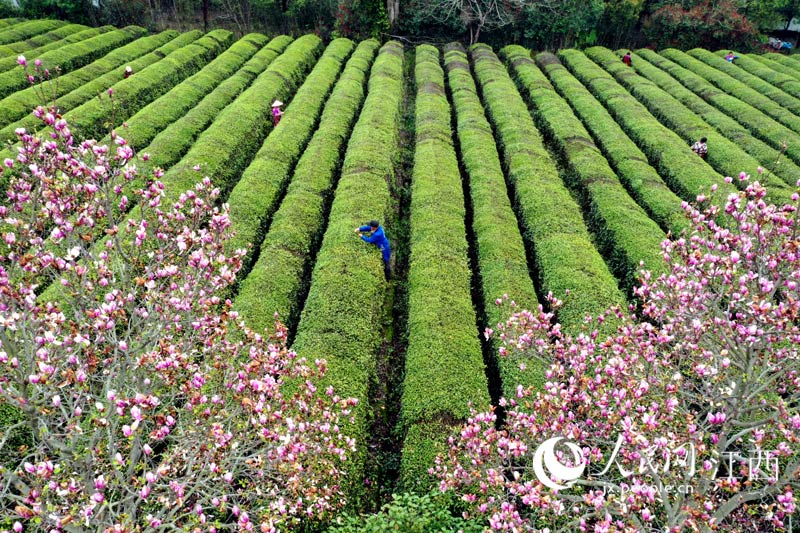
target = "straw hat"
x: 277, y: 103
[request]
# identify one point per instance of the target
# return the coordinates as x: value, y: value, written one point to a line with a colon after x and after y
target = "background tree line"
x: 539, y: 24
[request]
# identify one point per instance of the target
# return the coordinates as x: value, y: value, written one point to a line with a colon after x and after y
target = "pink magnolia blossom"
x: 686, y: 417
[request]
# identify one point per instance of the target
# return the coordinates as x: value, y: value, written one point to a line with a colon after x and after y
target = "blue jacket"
x: 378, y: 239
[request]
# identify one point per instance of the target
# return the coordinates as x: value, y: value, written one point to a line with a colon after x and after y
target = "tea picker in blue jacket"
x: 373, y: 233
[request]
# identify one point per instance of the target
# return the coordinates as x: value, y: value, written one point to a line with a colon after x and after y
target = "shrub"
x: 409, y: 513
x: 769, y: 61
x: 735, y: 87
x: 738, y: 72
x: 789, y: 62
x: 170, y: 145
x: 19, y: 104
x: 708, y: 24
x: 502, y: 264
x: 786, y: 83
x: 166, y: 109
x: 444, y: 369
x: 227, y: 146
x: 642, y: 180
x: 625, y: 234
x: 275, y: 282
x: 55, y: 36
x: 565, y: 258
x: 71, y: 57
x: 765, y: 128
x: 687, y: 175
x: 724, y: 156
x: 10, y: 61
x: 255, y: 197
x: 771, y: 158
x: 129, y: 95
x: 344, y: 309
x: 25, y: 30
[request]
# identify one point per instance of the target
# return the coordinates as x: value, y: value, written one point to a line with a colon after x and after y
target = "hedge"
x: 7, y: 63
x: 792, y: 70
x: 343, y: 314
x: 501, y: 261
x: 92, y: 119
x: 72, y: 56
x: 777, y: 80
x: 19, y: 104
x: 32, y: 45
x: 276, y: 279
x: 760, y: 125
x: 685, y: 173
x: 175, y: 103
x: 170, y: 145
x: 788, y: 62
x: 91, y: 89
x: 5, y: 23
x: 28, y: 29
x: 564, y: 256
x: 734, y: 87
x: 641, y: 180
x: 723, y: 155
x: 255, y: 197
x: 444, y: 368
x: 625, y: 234
x: 728, y: 127
x: 766, y: 89
x: 227, y: 146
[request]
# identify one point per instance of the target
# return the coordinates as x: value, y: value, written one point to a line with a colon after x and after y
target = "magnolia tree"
x: 685, y: 419
x: 143, y: 404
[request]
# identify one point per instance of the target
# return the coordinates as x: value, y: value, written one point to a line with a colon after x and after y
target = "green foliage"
x: 619, y: 19
x: 71, y: 57
x: 100, y: 84
x: 95, y: 117
x: 771, y: 62
x: 82, y: 11
x: 727, y: 126
x: 19, y: 435
x: 409, y: 513
x: 28, y: 29
x: 625, y: 157
x: 738, y: 71
x: 685, y: 173
x: 29, y: 44
x: 160, y: 113
x: 708, y: 24
x: 502, y: 263
x: 170, y: 144
x: 625, y: 234
x: 274, y: 283
x: 554, y: 25
x: 724, y: 155
x: 19, y: 104
x: 343, y: 314
x: 742, y: 107
x: 443, y: 364
x: 254, y: 199
x: 11, y: 50
x: 361, y: 19
x: 565, y: 258
x: 227, y: 146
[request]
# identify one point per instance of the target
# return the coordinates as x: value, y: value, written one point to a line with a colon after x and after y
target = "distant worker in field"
x: 627, y: 58
x: 276, y: 112
x: 701, y: 148
x: 730, y: 56
x: 373, y: 233
x: 128, y: 72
